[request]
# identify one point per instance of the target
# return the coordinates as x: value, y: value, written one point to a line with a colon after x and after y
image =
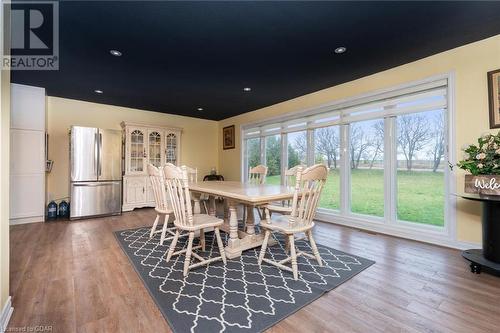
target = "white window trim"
x: 443, y: 236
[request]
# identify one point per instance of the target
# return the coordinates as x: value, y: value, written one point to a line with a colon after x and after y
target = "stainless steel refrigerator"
x: 96, y: 172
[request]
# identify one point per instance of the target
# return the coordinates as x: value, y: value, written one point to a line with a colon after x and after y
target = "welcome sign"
x: 484, y: 184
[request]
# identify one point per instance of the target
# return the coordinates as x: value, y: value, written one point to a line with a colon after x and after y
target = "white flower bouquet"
x: 483, y: 158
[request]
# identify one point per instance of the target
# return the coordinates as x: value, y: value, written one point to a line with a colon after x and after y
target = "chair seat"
x: 279, y: 209
x: 201, y: 221
x: 282, y: 224
x: 164, y: 211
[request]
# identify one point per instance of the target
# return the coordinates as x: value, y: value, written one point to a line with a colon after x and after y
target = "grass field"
x: 420, y: 194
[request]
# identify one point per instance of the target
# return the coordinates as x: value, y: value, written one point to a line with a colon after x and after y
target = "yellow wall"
x: 470, y: 63
x: 198, y: 144
x: 4, y: 164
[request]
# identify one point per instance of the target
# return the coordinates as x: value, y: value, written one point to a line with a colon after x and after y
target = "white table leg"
x: 196, y: 199
x: 211, y: 206
x: 226, y: 211
x: 250, y: 221
x: 233, y: 248
x: 233, y: 225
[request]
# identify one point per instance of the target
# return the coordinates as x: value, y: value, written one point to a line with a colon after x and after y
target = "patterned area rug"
x: 238, y: 297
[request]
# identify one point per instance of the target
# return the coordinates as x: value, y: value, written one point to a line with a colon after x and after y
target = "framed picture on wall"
x: 228, y: 137
x: 494, y: 98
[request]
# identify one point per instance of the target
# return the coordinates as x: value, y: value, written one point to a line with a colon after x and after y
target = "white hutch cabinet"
x: 146, y: 144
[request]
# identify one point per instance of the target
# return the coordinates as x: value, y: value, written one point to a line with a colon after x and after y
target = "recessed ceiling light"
x: 247, y: 89
x: 116, y: 53
x: 200, y: 109
x: 340, y: 49
x: 97, y: 91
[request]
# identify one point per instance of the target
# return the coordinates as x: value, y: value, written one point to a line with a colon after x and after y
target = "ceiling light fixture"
x: 340, y: 49
x: 116, y: 53
x: 247, y: 89
x: 97, y: 91
x: 200, y: 109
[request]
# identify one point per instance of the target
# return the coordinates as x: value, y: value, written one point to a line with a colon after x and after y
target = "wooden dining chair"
x: 256, y: 175
x: 290, y: 177
x: 193, y: 178
x: 176, y: 180
x: 308, y: 186
x: 160, y: 195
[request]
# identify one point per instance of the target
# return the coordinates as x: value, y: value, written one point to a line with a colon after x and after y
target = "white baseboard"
x: 131, y: 207
x: 24, y: 220
x: 424, y: 237
x: 6, y: 314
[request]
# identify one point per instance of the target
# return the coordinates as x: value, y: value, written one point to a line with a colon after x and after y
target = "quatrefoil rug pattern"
x: 237, y: 297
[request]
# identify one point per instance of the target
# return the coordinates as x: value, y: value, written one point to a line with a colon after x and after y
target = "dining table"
x: 235, y: 194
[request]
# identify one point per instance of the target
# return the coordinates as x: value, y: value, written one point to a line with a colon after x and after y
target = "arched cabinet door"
x: 172, y: 148
x: 155, y: 147
x: 137, y: 151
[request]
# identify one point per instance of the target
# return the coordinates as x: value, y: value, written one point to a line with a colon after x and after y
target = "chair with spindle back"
x: 308, y: 186
x: 256, y: 175
x: 193, y: 178
x: 176, y: 180
x: 290, y: 177
x: 160, y: 195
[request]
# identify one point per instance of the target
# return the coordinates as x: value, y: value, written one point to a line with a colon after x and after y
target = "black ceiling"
x: 178, y: 56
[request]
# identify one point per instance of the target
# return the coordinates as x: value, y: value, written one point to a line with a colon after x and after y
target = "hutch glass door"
x: 155, y: 148
x: 137, y: 151
x: 171, y: 148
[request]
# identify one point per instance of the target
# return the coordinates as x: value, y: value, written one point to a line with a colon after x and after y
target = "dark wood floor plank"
x: 74, y: 276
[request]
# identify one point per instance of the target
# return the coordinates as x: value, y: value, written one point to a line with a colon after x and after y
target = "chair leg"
x: 164, y: 229
x: 261, y: 217
x: 204, y: 202
x: 187, y: 261
x: 153, y: 228
x: 264, y: 246
x: 221, y: 245
x: 293, y: 253
x: 314, y: 248
x: 202, y: 239
x: 287, y: 245
x: 171, y: 249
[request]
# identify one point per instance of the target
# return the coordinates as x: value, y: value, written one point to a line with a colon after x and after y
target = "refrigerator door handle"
x: 94, y: 184
x: 96, y: 151
x: 100, y: 154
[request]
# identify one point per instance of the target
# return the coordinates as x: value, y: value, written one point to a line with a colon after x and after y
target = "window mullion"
x: 310, y: 147
x: 284, y: 156
x: 345, y: 171
x: 245, y: 160
x: 390, y: 170
x: 263, y: 150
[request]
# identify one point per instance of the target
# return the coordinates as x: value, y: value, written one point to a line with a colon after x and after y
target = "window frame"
x: 355, y: 106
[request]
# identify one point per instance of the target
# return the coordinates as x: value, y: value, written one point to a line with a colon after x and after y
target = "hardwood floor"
x: 74, y: 277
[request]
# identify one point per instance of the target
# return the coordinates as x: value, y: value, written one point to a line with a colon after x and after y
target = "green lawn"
x: 420, y: 194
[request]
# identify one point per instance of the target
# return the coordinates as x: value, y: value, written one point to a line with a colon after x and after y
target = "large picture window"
x: 386, y: 155
x: 273, y: 159
x: 252, y: 153
x: 366, y: 160
x: 327, y: 151
x: 297, y: 148
x: 420, y: 167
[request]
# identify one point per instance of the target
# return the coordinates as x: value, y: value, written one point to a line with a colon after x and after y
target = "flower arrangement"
x: 483, y: 158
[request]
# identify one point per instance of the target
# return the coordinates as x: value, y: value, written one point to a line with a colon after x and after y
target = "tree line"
x: 415, y: 133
